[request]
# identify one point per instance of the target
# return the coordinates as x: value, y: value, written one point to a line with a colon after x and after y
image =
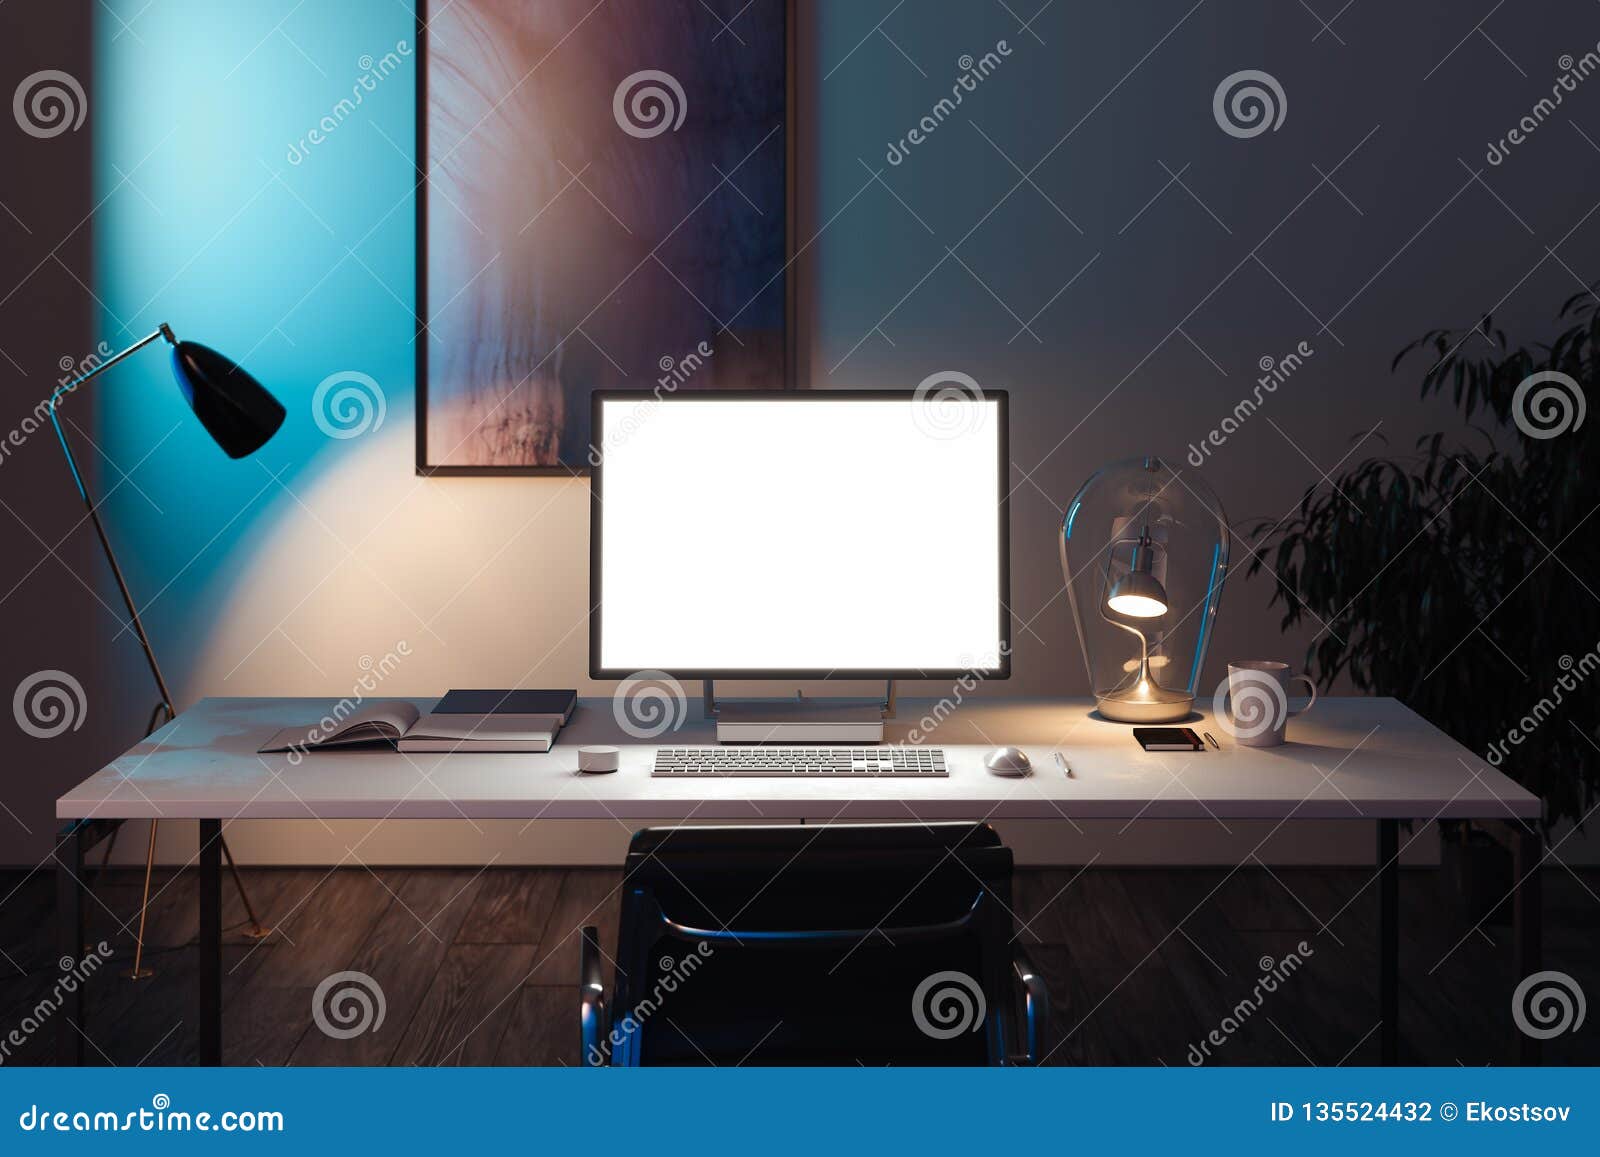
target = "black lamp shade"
x: 235, y: 409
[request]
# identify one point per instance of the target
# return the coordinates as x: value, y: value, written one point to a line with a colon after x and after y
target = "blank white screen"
x: 799, y: 534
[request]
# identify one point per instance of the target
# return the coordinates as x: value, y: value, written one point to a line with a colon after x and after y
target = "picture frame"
x: 431, y: 394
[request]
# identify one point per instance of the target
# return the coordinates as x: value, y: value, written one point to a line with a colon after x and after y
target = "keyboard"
x: 859, y: 762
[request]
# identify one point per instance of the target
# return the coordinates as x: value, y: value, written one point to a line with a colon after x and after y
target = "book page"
x: 382, y: 721
x: 390, y: 718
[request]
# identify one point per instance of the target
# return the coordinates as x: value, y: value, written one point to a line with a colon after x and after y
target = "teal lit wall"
x: 295, y: 270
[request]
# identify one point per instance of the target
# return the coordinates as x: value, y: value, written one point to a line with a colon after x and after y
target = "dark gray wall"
x: 1208, y: 252
x: 51, y: 615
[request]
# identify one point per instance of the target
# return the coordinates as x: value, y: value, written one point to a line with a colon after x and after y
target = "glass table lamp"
x: 1144, y: 553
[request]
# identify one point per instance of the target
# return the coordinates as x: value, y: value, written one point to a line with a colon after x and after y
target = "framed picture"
x: 607, y: 204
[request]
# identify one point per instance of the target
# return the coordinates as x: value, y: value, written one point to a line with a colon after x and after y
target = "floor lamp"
x: 240, y: 415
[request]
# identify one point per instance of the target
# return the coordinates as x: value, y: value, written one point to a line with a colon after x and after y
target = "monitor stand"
x: 798, y: 720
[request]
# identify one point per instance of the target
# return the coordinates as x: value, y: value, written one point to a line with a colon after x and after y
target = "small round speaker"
x: 597, y: 758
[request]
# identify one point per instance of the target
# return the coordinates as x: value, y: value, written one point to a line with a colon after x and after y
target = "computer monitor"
x: 805, y: 534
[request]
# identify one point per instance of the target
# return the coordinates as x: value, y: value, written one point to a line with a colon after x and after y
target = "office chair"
x: 870, y: 944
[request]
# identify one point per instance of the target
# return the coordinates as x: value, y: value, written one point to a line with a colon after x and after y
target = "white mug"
x: 1259, y: 710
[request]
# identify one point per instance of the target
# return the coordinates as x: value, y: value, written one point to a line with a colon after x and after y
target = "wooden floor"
x: 481, y: 967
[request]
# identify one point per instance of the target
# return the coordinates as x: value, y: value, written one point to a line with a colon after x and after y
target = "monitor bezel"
x: 798, y: 397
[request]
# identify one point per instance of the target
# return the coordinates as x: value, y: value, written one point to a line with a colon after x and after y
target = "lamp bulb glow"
x: 1137, y: 606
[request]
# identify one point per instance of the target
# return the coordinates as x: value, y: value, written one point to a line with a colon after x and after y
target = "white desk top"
x: 1349, y: 758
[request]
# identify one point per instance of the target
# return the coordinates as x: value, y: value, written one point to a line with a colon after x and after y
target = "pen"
x: 1061, y: 760
x: 1211, y: 741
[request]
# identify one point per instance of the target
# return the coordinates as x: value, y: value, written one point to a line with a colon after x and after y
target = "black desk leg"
x: 210, y: 942
x: 69, y: 939
x: 1528, y: 920
x: 1389, y: 941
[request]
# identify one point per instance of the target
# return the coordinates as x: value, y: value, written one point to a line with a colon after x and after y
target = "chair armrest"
x: 592, y: 1012
x: 1036, y: 1006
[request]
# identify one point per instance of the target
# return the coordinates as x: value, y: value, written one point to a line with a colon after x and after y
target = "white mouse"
x: 1010, y: 761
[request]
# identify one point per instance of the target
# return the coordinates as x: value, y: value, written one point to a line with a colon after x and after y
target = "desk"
x: 1368, y: 760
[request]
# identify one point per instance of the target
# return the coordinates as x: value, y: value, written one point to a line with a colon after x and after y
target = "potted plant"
x: 1464, y: 580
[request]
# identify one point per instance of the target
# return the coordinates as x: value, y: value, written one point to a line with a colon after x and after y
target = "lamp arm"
x: 94, y: 514
x: 1144, y: 643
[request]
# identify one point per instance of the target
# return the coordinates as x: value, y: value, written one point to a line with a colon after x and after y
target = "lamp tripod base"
x: 255, y: 931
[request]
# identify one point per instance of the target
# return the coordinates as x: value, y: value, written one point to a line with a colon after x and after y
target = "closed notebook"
x: 520, y: 702
x: 1167, y: 739
x: 525, y: 720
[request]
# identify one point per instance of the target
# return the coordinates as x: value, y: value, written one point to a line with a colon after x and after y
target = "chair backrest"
x: 797, y: 944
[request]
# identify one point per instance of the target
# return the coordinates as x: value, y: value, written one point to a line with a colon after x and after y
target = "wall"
x: 51, y: 611
x: 1080, y: 232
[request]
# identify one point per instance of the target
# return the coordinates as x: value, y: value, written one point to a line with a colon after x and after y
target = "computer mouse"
x: 1012, y: 761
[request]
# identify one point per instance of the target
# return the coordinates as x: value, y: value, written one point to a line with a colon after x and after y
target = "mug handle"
x: 1312, y: 686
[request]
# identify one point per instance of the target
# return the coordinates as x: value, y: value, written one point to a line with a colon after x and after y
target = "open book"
x: 397, y: 723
